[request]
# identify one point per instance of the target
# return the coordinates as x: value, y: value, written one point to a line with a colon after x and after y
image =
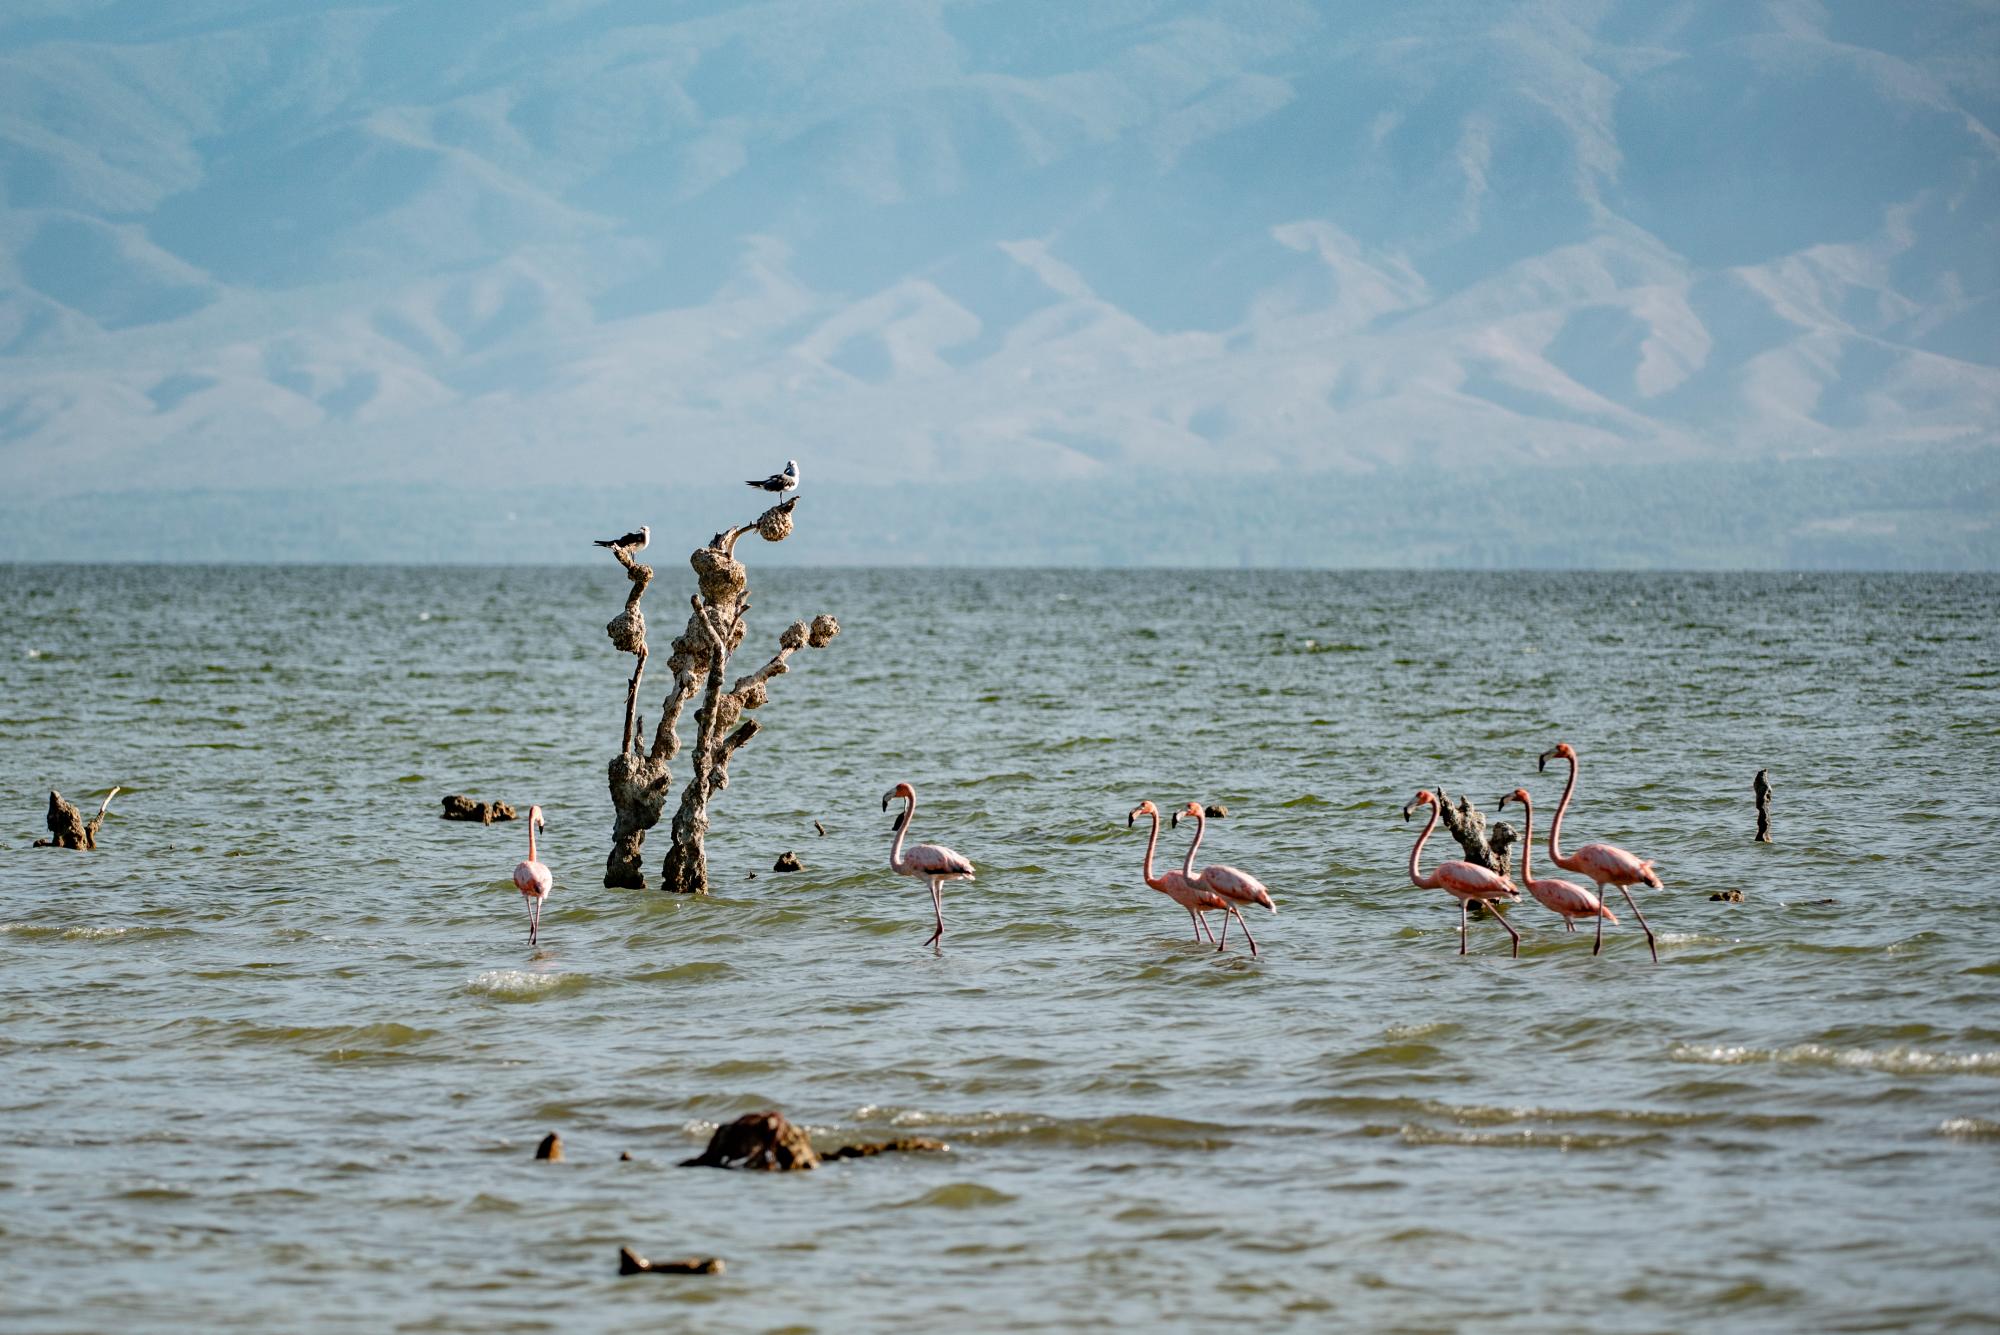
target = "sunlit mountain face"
x: 302, y: 245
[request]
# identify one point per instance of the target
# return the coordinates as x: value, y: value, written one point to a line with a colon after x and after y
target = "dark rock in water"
x: 789, y: 861
x: 762, y: 1142
x: 624, y: 1156
x: 459, y: 807
x: 900, y: 1145
x: 67, y: 827
x: 1726, y: 897
x: 550, y: 1148
x: 1215, y: 811
x: 631, y: 1263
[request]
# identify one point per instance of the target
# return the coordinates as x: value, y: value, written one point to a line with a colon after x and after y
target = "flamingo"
x: 1602, y: 863
x: 1468, y: 882
x: 929, y: 862
x: 1568, y: 898
x: 1175, y: 884
x: 532, y: 877
x: 1232, y: 885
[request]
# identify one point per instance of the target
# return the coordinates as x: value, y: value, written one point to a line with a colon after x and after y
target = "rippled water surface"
x: 278, y: 1054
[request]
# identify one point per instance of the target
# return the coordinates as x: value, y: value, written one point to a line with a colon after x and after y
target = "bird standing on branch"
x: 780, y: 483
x: 631, y: 541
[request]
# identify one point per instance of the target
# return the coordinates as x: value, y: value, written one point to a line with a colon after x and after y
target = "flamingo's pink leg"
x: 1206, y: 930
x: 1246, y: 930
x: 1569, y: 922
x: 1496, y: 913
x: 1600, y: 920
x: 1225, y: 931
x: 1642, y: 922
x: 937, y: 907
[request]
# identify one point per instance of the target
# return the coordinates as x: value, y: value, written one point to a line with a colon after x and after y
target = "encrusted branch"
x: 68, y: 829
x: 1489, y: 848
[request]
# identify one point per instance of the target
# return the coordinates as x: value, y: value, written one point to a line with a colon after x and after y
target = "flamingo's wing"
x: 1237, y: 884
x: 937, y: 860
x: 1570, y: 898
x: 1191, y: 893
x: 1469, y: 878
x: 1613, y: 865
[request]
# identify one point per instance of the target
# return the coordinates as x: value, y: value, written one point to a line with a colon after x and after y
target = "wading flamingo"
x: 1568, y: 898
x: 1468, y: 882
x: 532, y: 877
x: 927, y: 862
x: 1602, y: 863
x: 1232, y: 885
x: 1175, y: 884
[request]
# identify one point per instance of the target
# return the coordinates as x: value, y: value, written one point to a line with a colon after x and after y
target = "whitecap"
x: 519, y: 983
x: 1895, y: 1061
x: 1969, y: 1128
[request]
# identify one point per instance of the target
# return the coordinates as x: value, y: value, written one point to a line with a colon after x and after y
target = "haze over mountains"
x: 307, y: 247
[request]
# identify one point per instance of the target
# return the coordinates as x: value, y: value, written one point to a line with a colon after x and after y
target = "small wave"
x: 520, y: 985
x: 1006, y: 1128
x: 1895, y: 1061
x: 956, y: 1196
x: 1969, y: 1128
x: 47, y: 932
x: 1527, y: 1138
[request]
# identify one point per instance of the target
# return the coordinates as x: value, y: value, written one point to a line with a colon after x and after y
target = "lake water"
x: 278, y: 1055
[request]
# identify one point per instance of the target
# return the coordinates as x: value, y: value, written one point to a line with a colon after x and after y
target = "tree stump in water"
x: 1488, y: 846
x: 1761, y: 788
x: 67, y: 827
x: 700, y: 656
x: 761, y: 1142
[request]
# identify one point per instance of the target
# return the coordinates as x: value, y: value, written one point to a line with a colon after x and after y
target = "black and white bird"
x: 631, y: 541
x: 781, y: 482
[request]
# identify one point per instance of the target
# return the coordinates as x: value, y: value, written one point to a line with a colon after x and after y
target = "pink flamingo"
x: 532, y: 877
x: 1602, y: 863
x: 1175, y: 884
x: 1232, y: 885
x: 1468, y: 882
x: 930, y: 862
x: 1568, y: 898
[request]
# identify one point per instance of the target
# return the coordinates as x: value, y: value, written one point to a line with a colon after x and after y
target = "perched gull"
x: 631, y: 541
x: 781, y: 482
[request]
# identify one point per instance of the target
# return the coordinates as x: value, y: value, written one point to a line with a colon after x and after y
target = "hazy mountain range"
x: 251, y: 245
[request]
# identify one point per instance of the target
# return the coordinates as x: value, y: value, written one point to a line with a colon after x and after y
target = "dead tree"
x: 1491, y: 847
x: 699, y: 661
x: 67, y: 826
x: 1760, y: 788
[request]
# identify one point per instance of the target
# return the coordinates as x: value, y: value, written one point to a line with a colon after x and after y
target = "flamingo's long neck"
x: 531, y: 838
x: 1200, y: 828
x: 1528, y: 839
x: 1416, y: 877
x: 903, y: 828
x: 1556, y: 825
x: 1151, y: 841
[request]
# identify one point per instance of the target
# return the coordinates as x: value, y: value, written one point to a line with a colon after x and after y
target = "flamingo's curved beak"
x: 1501, y: 805
x: 1175, y: 824
x: 885, y: 800
x: 1130, y: 816
x: 1542, y: 761
x: 1412, y: 806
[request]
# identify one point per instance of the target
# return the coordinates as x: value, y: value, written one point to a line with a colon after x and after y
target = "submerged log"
x: 67, y: 827
x: 761, y: 1142
x: 631, y: 1263
x: 457, y: 806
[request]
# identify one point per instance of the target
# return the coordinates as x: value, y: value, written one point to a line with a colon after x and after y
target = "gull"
x: 631, y: 541
x: 781, y: 483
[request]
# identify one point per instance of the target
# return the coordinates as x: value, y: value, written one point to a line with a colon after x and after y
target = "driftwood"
x: 1761, y: 787
x: 67, y: 827
x: 699, y: 660
x: 457, y: 806
x: 767, y: 1142
x: 631, y: 1263
x: 1488, y: 846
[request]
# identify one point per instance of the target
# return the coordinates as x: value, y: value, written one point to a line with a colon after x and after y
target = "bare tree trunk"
x: 67, y: 827
x: 700, y: 659
x: 1489, y: 847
